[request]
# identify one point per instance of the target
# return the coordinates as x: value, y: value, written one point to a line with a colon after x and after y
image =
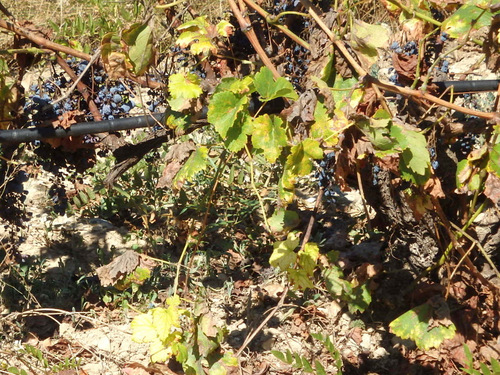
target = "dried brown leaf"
x: 120, y: 267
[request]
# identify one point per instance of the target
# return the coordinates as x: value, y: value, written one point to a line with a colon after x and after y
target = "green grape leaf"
x: 299, y: 163
x: 186, y: 86
x: 197, y: 162
x: 286, y: 190
x: 236, y: 136
x: 494, y: 160
x: 460, y: 22
x: 284, y: 256
x: 199, y: 23
x: 202, y: 45
x: 143, y: 329
x: 428, y: 325
x: 415, y: 160
x: 334, y: 280
x: 139, y: 38
x: 358, y: 298
x: 300, y: 279
x: 160, y: 352
x: 270, y: 89
x: 223, y: 111
x: 326, y: 128
x: 283, y: 220
x: 236, y: 86
x: 308, y: 258
x: 269, y: 135
x: 195, y: 35
x: 343, y: 93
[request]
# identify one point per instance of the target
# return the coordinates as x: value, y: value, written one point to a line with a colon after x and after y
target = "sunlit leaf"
x: 139, y: 38
x: 236, y: 136
x: 421, y: 325
x: 283, y: 255
x: 224, y: 28
x: 159, y: 352
x: 269, y: 135
x: 460, y: 22
x: 269, y: 88
x: 308, y: 258
x: 223, y: 111
x: 299, y: 161
x: 300, y: 279
x: 186, y: 86
x: 197, y: 162
x: 143, y: 329
x: 236, y: 86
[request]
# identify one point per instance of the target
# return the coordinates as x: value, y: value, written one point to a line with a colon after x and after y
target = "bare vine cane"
x: 56, y: 47
x: 272, y: 21
x: 247, y: 28
x: 344, y: 51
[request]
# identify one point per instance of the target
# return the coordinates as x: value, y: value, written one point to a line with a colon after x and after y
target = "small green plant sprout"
x: 493, y: 369
x: 428, y: 324
x: 301, y: 363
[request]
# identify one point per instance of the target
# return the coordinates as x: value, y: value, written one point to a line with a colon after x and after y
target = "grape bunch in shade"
x: 465, y: 144
x: 375, y: 172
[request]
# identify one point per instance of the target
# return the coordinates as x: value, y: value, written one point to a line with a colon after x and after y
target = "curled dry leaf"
x: 121, y: 267
x: 174, y: 159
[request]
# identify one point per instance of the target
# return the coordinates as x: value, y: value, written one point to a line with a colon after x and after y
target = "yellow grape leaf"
x: 300, y: 279
x: 186, y: 86
x: 269, y: 135
x: 284, y: 256
x: 308, y: 257
x: 224, y: 28
x: 143, y: 329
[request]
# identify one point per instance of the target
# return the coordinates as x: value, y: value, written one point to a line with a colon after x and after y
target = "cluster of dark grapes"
x: 434, y: 162
x: 323, y: 173
x: 112, y: 98
x: 296, y: 65
x: 284, y: 5
x: 445, y: 66
x: 375, y: 172
x: 465, y: 144
x: 410, y: 48
x: 393, y: 76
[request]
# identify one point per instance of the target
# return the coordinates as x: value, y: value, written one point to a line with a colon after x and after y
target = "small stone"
x: 379, y: 353
x: 366, y: 342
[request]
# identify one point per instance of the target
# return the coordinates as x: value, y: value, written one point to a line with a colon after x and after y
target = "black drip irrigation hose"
x: 82, y: 128
x: 468, y: 86
x: 32, y: 134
